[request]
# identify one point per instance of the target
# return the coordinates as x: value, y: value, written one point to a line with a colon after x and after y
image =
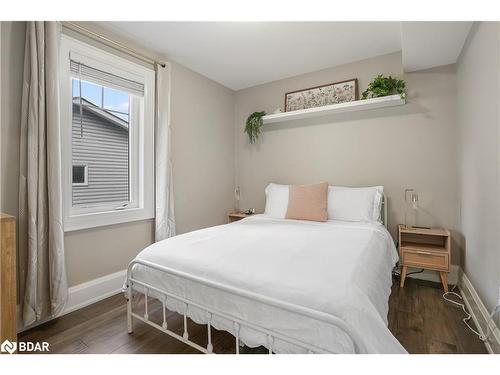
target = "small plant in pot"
x: 384, y: 86
x: 254, y: 125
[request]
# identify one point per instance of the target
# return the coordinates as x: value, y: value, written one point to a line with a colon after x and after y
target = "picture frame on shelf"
x: 318, y: 96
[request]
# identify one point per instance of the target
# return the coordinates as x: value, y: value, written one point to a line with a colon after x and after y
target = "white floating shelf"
x: 357, y: 105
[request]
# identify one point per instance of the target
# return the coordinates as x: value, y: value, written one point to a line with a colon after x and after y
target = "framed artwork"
x: 332, y: 93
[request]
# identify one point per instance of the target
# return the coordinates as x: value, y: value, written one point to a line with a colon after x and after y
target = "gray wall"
x: 203, y: 150
x: 104, y: 149
x: 412, y: 146
x: 478, y: 76
x: 409, y: 146
x: 202, y: 114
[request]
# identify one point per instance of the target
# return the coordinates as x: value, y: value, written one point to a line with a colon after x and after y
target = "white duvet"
x: 339, y: 268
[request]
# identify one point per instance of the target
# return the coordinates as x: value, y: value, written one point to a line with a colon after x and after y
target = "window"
x: 107, y: 109
x: 100, y: 137
x: 80, y: 175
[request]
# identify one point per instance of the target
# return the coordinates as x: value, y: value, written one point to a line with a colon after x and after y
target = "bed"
x: 292, y: 286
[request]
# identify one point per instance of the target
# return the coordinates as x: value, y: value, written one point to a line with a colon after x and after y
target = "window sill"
x: 95, y: 220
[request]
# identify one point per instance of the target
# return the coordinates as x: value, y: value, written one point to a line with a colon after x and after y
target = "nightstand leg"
x: 444, y: 280
x: 403, y: 276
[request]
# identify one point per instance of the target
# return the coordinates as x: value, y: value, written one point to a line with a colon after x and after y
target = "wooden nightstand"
x: 424, y: 248
x: 235, y: 216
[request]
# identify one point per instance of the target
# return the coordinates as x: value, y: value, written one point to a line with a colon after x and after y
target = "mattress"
x: 338, y: 268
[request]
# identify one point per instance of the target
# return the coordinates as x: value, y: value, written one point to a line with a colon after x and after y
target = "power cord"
x: 468, y: 316
x: 396, y: 273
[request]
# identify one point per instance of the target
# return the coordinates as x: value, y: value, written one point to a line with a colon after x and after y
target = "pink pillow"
x: 308, y: 202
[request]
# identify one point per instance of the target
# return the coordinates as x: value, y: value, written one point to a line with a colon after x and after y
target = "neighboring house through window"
x: 100, y: 140
x: 107, y: 121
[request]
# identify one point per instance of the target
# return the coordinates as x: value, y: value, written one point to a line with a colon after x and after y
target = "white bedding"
x: 340, y: 268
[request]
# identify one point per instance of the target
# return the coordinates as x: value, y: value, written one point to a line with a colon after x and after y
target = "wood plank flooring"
x: 424, y: 322
x: 419, y: 318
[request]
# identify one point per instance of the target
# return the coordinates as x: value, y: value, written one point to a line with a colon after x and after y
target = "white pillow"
x: 355, y: 204
x: 276, y: 200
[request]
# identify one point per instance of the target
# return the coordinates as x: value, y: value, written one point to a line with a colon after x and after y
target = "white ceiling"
x: 244, y: 54
x: 429, y: 44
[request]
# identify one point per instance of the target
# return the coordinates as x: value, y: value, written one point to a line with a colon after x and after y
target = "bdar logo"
x: 21, y: 346
x: 8, y: 347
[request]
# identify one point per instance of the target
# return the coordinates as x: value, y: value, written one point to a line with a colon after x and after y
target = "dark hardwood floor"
x: 420, y: 319
x: 424, y: 322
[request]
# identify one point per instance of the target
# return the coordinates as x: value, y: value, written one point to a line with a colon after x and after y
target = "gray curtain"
x: 164, y: 215
x: 44, y: 289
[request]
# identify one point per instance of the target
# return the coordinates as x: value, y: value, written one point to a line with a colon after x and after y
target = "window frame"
x: 85, y: 174
x: 141, y: 140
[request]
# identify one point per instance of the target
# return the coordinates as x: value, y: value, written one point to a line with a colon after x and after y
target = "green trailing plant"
x: 383, y: 86
x: 254, y: 125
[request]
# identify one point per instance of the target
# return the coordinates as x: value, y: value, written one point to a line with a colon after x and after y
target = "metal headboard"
x: 383, y: 210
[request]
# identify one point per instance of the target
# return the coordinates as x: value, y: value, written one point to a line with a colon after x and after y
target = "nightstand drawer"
x: 425, y: 259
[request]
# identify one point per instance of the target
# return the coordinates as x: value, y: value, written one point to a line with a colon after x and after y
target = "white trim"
x: 356, y: 105
x: 85, y: 294
x: 480, y: 314
x: 141, y: 205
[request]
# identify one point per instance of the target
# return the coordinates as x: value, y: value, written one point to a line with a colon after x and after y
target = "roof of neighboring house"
x: 100, y: 112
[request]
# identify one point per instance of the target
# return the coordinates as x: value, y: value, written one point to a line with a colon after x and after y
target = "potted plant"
x: 384, y: 86
x: 254, y: 125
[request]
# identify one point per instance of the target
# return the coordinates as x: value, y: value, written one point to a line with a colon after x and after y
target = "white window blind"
x: 88, y: 73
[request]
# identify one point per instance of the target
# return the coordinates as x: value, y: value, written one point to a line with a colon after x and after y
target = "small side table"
x: 425, y: 248
x: 235, y: 216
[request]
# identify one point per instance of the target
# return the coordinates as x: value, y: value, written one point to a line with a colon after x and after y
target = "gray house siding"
x: 104, y: 149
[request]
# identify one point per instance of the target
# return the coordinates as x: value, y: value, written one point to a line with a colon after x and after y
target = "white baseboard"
x: 480, y: 315
x: 428, y: 275
x: 92, y: 291
x: 85, y: 294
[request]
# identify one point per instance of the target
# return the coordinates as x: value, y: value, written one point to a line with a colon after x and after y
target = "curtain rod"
x: 109, y: 42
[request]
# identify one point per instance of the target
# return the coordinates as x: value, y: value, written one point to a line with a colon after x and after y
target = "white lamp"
x: 411, y: 198
x: 237, y: 196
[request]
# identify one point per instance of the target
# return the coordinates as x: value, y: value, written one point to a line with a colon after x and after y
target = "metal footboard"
x: 271, y: 335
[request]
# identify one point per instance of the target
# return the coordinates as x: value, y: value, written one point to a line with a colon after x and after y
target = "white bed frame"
x: 271, y: 335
